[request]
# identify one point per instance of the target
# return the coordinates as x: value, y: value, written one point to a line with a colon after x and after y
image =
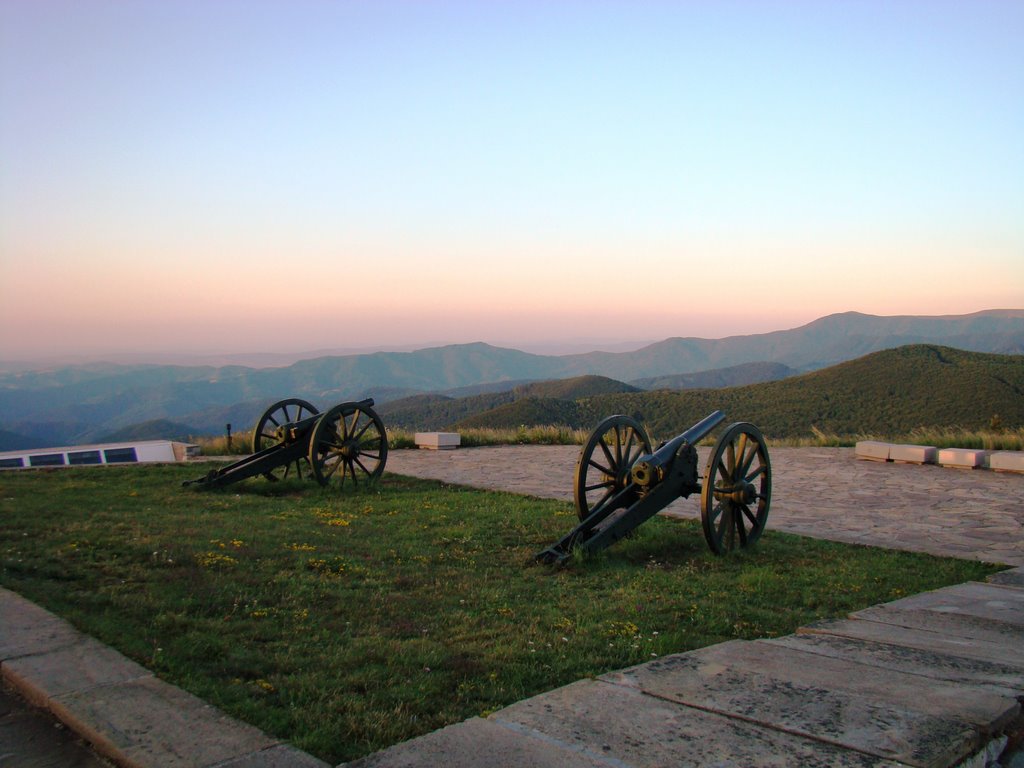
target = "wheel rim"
x: 605, y: 461
x: 348, y: 443
x: 264, y: 435
x: 737, y: 489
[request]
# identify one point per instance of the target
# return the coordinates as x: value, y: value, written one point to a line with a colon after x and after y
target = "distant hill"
x: 438, y: 412
x: 525, y: 412
x: 79, y: 403
x: 12, y: 441
x: 157, y: 429
x: 733, y: 376
x: 884, y: 393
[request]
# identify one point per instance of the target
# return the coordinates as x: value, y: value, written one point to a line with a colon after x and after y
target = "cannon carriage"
x: 293, y: 439
x: 621, y: 482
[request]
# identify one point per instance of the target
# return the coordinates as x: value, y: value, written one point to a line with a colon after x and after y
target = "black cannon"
x: 293, y: 439
x: 621, y: 482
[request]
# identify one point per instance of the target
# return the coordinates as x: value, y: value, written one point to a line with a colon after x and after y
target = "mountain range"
x: 83, y: 403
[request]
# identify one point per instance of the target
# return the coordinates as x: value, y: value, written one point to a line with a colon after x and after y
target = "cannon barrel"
x: 650, y: 469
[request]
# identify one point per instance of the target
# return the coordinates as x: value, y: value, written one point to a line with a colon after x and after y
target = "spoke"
x: 606, y: 484
x: 716, y: 511
x: 270, y: 417
x: 741, y: 530
x: 746, y: 459
x: 629, y: 444
x: 618, y: 448
x: 594, y: 464
x: 607, y: 453
x: 730, y: 459
x: 726, y: 476
x: 330, y: 468
x: 363, y: 430
x: 352, y: 469
x: 750, y: 516
x: 740, y: 451
x: 370, y: 454
x: 361, y: 465
x: 756, y: 473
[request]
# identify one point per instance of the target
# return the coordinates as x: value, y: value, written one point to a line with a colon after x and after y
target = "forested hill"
x: 885, y: 393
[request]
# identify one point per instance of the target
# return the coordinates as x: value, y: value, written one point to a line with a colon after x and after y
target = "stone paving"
x: 826, y: 493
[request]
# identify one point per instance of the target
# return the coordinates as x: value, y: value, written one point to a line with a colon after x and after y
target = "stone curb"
x: 128, y: 715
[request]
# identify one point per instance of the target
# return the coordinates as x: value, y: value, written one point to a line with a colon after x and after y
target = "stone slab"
x: 478, y: 743
x: 147, y: 722
x: 872, y: 450
x: 987, y: 601
x: 76, y: 667
x: 964, y: 627
x: 913, y: 454
x: 438, y: 441
x: 1006, y: 461
x: 965, y: 458
x: 277, y: 756
x: 1007, y: 679
x: 999, y: 653
x: 630, y: 728
x: 26, y: 628
x: 895, y: 716
x: 1013, y: 577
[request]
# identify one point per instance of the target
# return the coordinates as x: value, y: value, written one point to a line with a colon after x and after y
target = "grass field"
x: 347, y: 622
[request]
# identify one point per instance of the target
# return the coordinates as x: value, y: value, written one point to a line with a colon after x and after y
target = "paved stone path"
x: 826, y: 493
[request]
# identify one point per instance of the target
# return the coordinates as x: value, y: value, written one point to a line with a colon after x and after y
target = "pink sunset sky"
x: 284, y: 176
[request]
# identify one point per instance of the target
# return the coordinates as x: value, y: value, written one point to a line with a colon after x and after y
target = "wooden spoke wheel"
x: 737, y: 489
x: 348, y: 441
x: 269, y: 432
x: 604, y: 465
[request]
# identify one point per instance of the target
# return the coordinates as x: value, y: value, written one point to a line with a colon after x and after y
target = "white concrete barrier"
x: 438, y: 441
x: 965, y: 458
x: 913, y: 454
x: 872, y: 450
x: 1006, y: 461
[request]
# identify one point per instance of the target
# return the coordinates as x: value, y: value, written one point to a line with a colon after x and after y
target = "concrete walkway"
x: 930, y: 680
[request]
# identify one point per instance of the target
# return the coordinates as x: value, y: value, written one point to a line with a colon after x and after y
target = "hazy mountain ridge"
x: 82, y: 402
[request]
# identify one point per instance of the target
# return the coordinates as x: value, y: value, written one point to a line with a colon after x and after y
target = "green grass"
x: 347, y: 622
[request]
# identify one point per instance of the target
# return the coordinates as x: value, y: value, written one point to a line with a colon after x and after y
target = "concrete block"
x: 148, y: 722
x: 966, y: 458
x: 1014, y: 577
x: 78, y: 667
x: 478, y: 743
x: 25, y: 628
x: 278, y: 756
x: 1006, y: 461
x: 628, y: 728
x: 1008, y: 678
x: 438, y: 441
x: 872, y: 450
x: 994, y: 649
x: 913, y: 454
x: 881, y: 712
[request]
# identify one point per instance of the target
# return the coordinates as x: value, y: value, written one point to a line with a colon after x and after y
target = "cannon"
x: 293, y: 439
x: 620, y: 483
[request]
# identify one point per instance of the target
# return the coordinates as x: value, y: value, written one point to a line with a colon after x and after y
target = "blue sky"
x: 276, y: 176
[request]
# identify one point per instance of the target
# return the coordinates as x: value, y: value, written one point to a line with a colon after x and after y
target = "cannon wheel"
x: 264, y: 434
x: 737, y: 489
x: 348, y: 441
x: 605, y: 461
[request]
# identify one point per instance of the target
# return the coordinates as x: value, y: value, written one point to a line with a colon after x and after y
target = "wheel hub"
x: 740, y: 493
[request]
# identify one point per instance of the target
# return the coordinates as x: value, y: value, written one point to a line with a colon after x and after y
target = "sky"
x: 273, y: 176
